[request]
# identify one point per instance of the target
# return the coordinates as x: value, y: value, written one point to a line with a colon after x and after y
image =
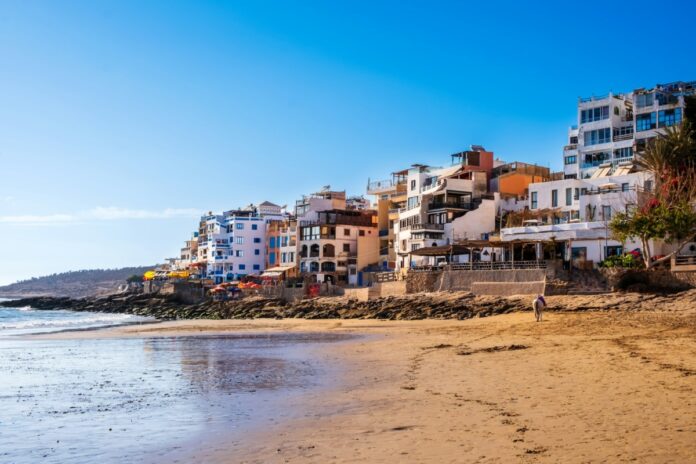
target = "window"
x: 577, y: 194
x: 271, y: 258
x: 645, y: 122
x: 271, y: 242
x: 258, y: 239
x: 669, y: 117
x: 624, y: 187
x: 613, y: 250
x: 239, y: 226
x: 242, y: 267
x: 257, y: 252
x: 569, y: 196
x: 310, y: 233
x: 644, y: 100
x: 413, y: 185
x: 574, y: 140
x: 291, y: 256
x: 415, y: 246
x: 624, y: 130
x: 412, y: 202
x: 571, y: 159
x: 595, y: 137
x: 239, y: 253
x: 283, y: 257
x: 346, y: 247
x: 606, y: 213
x: 346, y: 232
x: 623, y: 153
x: 554, y: 198
x: 257, y: 267
x: 239, y: 240
x: 534, y: 200
x: 648, y: 185
x: 361, y: 233
x: 254, y: 227
x: 594, y: 114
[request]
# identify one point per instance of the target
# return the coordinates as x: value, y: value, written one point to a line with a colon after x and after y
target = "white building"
x: 575, y: 213
x: 611, y: 129
x: 443, y: 205
x: 231, y: 245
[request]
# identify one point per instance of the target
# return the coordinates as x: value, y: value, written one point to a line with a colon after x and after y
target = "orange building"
x: 513, y: 179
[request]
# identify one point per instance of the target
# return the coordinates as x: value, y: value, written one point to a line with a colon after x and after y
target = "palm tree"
x: 671, y: 154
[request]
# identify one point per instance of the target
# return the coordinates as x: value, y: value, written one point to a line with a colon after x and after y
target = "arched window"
x: 329, y: 251
x: 303, y: 252
x: 328, y: 266
x: 314, y: 251
x: 314, y: 266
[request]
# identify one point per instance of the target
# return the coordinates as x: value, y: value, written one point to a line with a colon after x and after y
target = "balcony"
x: 572, y: 146
x: 424, y: 226
x: 450, y: 204
x: 379, y: 186
x: 619, y: 138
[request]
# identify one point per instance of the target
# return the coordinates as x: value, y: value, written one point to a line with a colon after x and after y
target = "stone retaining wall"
x: 508, y: 288
x: 462, y: 280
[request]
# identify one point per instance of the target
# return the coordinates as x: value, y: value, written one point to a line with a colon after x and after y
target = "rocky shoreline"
x: 445, y: 305
x: 411, y: 307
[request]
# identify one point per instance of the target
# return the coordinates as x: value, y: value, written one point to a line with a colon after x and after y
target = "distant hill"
x: 75, y: 284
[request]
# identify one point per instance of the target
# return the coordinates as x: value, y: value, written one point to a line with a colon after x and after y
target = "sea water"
x: 141, y: 399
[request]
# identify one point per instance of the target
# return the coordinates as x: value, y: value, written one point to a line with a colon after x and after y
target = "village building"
x: 445, y: 205
x: 336, y: 239
x: 389, y: 197
x: 614, y: 128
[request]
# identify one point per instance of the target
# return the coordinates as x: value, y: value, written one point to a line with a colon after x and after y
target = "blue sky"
x: 121, y: 121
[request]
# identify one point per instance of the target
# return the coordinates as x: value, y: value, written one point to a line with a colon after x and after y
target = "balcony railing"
x: 380, y: 185
x: 572, y: 146
x: 450, y: 204
x: 483, y: 266
x: 620, y: 137
x: 423, y: 226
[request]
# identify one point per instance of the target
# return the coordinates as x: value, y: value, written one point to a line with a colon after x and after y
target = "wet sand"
x: 615, y: 386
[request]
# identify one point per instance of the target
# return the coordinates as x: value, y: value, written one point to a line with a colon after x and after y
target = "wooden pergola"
x: 467, y: 247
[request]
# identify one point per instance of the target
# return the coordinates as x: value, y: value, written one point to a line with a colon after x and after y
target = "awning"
x: 271, y: 274
x: 279, y: 269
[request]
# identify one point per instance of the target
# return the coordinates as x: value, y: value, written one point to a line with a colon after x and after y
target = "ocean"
x: 21, y: 321
x: 87, y: 400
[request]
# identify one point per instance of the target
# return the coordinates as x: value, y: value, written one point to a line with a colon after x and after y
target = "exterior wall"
x: 475, y: 224
x: 461, y: 280
x: 516, y: 183
x: 367, y: 249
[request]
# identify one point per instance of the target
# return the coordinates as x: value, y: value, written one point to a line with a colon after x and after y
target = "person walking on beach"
x: 538, y: 305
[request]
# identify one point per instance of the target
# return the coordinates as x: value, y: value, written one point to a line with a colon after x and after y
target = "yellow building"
x: 390, y: 196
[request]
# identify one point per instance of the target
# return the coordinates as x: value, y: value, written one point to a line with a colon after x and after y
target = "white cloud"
x: 110, y: 213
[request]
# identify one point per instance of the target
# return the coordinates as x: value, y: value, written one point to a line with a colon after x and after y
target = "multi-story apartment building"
x: 600, y: 172
x: 612, y: 129
x: 445, y: 205
x: 231, y: 245
x: 338, y: 243
x: 336, y: 238
x: 390, y: 196
x: 575, y: 213
x: 281, y: 248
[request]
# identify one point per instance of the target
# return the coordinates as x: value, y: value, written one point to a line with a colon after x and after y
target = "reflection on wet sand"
x: 122, y: 399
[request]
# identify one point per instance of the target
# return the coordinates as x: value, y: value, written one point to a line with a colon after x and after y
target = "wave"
x: 28, y: 320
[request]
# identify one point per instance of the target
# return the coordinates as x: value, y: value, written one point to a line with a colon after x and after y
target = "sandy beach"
x: 611, y: 386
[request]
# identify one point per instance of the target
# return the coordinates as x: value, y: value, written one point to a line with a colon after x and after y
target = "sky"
x: 121, y: 122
